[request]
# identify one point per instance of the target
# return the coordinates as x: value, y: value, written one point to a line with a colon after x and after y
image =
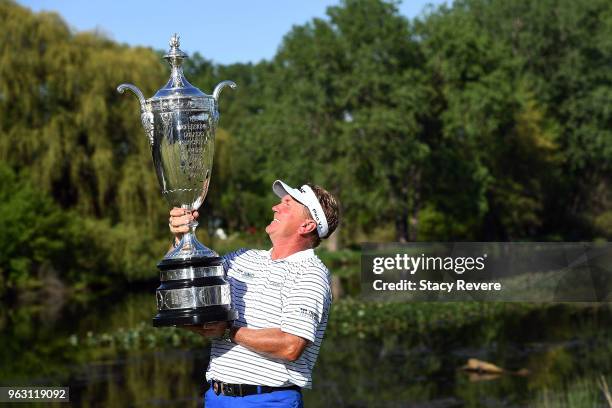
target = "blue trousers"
x: 276, y: 399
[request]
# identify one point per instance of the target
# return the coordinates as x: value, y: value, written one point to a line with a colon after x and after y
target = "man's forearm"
x: 272, y: 342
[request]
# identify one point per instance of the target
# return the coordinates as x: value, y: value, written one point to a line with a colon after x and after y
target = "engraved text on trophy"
x: 185, y: 156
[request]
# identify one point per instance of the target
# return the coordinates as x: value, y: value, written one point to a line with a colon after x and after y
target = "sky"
x: 225, y: 32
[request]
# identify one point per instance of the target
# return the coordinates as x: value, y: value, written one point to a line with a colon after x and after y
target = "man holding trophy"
x: 282, y: 297
x: 267, y: 310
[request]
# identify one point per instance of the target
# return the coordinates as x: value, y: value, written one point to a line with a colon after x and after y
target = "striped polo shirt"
x: 293, y: 294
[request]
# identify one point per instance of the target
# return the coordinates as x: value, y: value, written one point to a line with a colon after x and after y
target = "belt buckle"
x: 231, y: 390
x: 216, y: 388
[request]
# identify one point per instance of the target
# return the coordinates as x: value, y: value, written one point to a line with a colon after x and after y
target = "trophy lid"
x: 177, y: 85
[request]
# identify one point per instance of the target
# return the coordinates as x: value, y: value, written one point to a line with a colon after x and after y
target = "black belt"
x: 242, y: 390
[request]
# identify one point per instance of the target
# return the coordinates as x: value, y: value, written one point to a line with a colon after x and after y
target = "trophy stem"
x: 189, y: 246
x: 193, y: 223
x: 189, y: 238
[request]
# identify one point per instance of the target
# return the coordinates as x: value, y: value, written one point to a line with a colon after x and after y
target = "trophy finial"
x: 175, y: 41
x: 174, y: 55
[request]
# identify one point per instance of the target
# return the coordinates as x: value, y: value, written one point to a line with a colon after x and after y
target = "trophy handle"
x: 121, y: 89
x: 220, y: 86
x: 146, y: 116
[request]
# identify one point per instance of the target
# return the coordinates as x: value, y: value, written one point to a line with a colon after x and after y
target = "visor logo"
x: 316, y: 216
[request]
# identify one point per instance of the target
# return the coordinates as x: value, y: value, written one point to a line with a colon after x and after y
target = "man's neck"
x: 283, y: 250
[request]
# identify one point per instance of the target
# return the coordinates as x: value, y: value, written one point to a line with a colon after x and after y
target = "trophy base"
x: 197, y: 317
x: 193, y: 291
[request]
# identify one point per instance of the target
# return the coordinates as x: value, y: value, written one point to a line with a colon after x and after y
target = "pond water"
x: 564, y: 349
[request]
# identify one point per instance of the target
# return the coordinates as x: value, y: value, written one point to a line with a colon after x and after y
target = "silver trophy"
x: 180, y: 122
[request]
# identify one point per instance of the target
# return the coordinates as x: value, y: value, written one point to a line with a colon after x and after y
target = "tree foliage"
x: 484, y: 120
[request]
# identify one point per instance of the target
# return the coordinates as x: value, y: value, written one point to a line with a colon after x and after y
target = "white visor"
x: 305, y: 196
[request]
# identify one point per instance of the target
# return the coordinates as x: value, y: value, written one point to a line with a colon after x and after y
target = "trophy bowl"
x: 180, y: 123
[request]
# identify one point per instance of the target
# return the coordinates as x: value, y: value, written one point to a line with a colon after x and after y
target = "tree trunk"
x: 336, y: 287
x: 416, y: 206
x: 408, y: 209
x: 492, y: 228
x: 414, y: 224
x: 399, y: 203
x: 401, y: 226
x: 333, y: 242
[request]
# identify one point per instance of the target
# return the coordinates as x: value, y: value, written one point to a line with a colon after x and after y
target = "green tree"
x: 343, y: 108
x: 62, y: 118
x: 33, y: 231
x: 495, y: 149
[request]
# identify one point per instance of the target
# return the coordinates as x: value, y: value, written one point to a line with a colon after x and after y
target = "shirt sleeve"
x: 307, y: 304
x: 229, y: 258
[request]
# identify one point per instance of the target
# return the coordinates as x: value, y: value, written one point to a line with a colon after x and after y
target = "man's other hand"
x: 213, y: 329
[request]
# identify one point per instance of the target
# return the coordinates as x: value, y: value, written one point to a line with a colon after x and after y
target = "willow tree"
x: 62, y: 119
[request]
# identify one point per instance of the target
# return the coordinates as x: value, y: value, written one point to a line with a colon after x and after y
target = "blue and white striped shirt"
x: 293, y: 294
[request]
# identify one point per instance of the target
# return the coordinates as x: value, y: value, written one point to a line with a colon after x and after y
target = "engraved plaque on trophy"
x: 180, y: 123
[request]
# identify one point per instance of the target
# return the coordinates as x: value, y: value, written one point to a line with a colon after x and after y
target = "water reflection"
x: 168, y: 378
x: 564, y: 348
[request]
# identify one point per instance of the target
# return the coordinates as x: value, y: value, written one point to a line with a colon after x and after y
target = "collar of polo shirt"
x: 306, y: 197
